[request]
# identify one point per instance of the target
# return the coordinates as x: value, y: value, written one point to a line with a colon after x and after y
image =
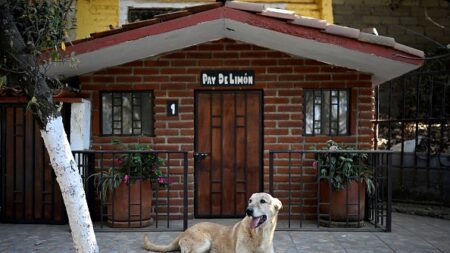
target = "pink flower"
x: 333, y: 148
x: 126, y: 179
x: 315, y: 164
x: 165, y: 180
x: 118, y: 161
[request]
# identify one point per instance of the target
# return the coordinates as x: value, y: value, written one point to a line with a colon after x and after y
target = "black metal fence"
x: 136, y: 189
x: 413, y: 120
x: 294, y: 176
x: 305, y: 182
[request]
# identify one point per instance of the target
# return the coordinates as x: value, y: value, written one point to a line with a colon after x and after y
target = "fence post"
x: 185, y: 195
x: 271, y: 172
x: 389, y: 193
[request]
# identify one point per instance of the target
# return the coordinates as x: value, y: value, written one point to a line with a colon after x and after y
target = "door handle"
x: 200, y: 156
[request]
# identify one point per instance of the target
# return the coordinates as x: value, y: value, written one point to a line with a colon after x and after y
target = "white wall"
x: 80, y: 125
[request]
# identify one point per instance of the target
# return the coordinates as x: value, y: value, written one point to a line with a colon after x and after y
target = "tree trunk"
x: 71, y: 185
x: 35, y: 85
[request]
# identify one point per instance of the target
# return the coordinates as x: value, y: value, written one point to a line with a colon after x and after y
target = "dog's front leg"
x: 242, y: 249
x: 269, y: 250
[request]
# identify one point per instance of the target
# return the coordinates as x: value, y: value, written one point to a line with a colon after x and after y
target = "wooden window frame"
x: 137, y: 129
x: 329, y: 131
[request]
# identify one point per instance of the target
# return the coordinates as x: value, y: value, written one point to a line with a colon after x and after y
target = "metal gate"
x: 29, y: 192
x: 413, y: 119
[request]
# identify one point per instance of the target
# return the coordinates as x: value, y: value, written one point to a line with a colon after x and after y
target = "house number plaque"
x: 172, y: 108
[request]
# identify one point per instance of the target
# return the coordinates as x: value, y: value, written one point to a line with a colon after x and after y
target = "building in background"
x: 422, y: 24
x: 101, y: 15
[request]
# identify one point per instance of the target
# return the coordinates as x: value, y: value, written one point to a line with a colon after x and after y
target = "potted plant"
x: 349, y: 177
x: 126, y: 187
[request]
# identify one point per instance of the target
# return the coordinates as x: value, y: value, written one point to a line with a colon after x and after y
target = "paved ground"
x: 409, y: 234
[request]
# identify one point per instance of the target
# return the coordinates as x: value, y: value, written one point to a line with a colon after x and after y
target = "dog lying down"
x: 253, y: 234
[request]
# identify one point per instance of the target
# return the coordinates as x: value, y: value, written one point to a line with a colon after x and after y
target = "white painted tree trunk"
x: 71, y: 185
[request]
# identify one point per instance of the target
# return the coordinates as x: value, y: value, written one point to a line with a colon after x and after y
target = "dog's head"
x: 262, y: 207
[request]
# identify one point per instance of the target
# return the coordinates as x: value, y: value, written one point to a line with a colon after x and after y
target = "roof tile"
x: 203, y: 7
x: 138, y: 24
x: 409, y: 50
x: 278, y: 13
x: 107, y: 32
x: 342, y: 31
x: 309, y: 22
x: 376, y: 39
x: 245, y: 6
x: 172, y: 15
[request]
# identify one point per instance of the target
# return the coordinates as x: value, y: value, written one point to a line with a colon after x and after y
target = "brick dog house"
x: 231, y: 82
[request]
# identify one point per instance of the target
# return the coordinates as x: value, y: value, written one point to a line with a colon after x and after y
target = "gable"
x: 182, y: 69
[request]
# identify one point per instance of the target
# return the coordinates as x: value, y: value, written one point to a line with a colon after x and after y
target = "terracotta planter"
x: 130, y: 206
x: 343, y: 209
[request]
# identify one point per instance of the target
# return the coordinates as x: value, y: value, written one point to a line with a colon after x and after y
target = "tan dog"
x: 254, y: 234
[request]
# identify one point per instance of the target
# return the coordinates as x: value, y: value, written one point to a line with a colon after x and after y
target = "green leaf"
x: 2, y: 81
x: 33, y: 102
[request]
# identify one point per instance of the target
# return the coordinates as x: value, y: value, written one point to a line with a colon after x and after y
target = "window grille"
x: 127, y: 113
x: 326, y: 112
x: 139, y: 14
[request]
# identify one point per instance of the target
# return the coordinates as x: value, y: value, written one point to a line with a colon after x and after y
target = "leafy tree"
x: 33, y: 33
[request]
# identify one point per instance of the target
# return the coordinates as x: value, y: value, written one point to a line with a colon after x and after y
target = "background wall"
x: 405, y: 20
x: 95, y: 16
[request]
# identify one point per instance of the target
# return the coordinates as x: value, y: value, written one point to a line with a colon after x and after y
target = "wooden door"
x: 228, y: 131
x: 28, y: 189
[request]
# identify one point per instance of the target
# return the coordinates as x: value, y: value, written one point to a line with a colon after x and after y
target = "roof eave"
x: 137, y: 49
x: 383, y: 62
x: 381, y: 68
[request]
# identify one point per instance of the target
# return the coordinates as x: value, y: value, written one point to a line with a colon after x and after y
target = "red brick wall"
x: 282, y: 77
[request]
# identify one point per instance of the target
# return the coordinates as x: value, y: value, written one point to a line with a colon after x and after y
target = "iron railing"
x: 295, y: 178
x: 292, y: 177
x: 168, y: 195
x: 413, y: 119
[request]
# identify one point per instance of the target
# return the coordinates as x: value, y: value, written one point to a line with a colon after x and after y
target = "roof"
x: 251, y: 23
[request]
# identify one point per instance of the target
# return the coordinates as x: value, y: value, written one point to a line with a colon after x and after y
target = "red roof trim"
x: 155, y: 29
x: 315, y: 34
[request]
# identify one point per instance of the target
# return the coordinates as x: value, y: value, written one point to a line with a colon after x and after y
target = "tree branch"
x: 421, y: 35
x: 33, y: 82
x: 425, y: 58
x: 12, y: 71
x: 432, y: 21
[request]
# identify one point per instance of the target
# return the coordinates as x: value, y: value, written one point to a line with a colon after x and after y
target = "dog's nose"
x: 249, y: 212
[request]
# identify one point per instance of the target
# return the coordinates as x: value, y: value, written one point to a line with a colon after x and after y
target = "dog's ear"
x: 277, y: 204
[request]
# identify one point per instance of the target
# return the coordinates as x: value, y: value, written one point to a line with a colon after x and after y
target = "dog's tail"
x: 173, y: 245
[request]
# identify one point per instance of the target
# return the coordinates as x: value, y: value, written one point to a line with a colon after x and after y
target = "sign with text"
x: 227, y: 78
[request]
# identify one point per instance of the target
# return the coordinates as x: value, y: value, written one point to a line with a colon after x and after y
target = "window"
x: 326, y: 112
x: 138, y: 14
x: 127, y: 113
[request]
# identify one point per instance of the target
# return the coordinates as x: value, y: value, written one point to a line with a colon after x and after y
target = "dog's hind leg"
x: 188, y: 245
x: 149, y: 245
